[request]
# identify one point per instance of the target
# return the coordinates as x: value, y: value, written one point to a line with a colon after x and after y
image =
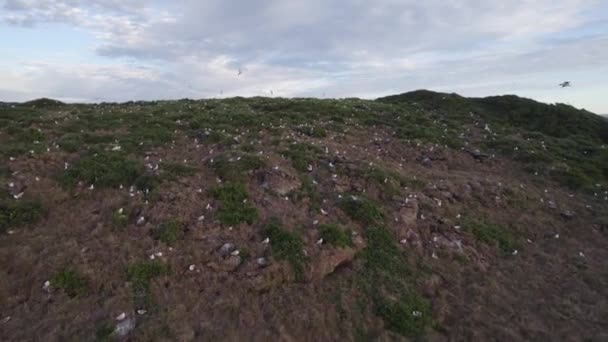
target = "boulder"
x: 327, y: 261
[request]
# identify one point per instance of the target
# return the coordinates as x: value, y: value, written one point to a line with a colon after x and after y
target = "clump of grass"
x: 385, y: 275
x: 409, y: 316
x: 105, y: 169
x: 140, y: 275
x: 335, y: 236
x: 168, y: 232
x: 382, y: 258
x: 362, y: 209
x: 71, y: 282
x: 14, y: 214
x: 286, y: 246
x: 491, y: 233
x: 302, y: 155
x: 234, y: 209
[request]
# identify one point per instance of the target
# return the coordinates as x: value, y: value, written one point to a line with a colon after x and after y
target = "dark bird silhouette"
x: 565, y: 84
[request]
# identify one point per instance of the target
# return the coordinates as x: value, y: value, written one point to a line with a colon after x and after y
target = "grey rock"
x: 226, y: 249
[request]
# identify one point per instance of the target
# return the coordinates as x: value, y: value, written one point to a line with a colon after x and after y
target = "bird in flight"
x: 240, y: 72
x: 565, y: 84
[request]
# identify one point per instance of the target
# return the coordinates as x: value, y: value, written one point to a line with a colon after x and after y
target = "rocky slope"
x: 417, y: 215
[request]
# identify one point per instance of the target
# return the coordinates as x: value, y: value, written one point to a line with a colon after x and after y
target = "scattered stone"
x: 226, y: 249
x: 416, y: 313
x: 46, y: 286
x: 18, y: 196
x: 556, y: 236
x: 235, y: 252
x: 581, y: 254
x: 121, y: 316
x: 552, y: 205
x: 266, y: 241
x: 140, y: 221
x: 515, y: 252
x: 201, y: 218
x: 142, y: 311
x: 192, y: 268
x: 320, y: 241
x: 5, y: 319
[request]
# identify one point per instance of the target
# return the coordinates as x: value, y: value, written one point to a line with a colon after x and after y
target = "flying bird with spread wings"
x: 565, y: 84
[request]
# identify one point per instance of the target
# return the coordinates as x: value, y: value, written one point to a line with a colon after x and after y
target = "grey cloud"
x: 343, y: 48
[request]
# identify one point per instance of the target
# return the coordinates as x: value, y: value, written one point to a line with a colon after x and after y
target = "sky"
x: 121, y: 50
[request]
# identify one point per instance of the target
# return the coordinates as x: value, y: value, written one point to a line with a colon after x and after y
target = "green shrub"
x: 335, y: 236
x: 362, y: 209
x: 106, y: 169
x: 410, y: 316
x: 14, y: 214
x: 233, y: 207
x: 491, y: 233
x: 302, y: 155
x: 72, y: 283
x: 141, y: 273
x: 168, y: 232
x: 286, y: 246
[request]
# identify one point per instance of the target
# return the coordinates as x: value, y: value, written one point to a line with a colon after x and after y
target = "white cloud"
x: 342, y: 48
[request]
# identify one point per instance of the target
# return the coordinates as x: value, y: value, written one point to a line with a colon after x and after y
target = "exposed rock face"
x: 327, y: 262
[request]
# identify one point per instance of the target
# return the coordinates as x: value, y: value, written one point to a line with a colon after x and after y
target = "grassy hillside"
x: 420, y: 215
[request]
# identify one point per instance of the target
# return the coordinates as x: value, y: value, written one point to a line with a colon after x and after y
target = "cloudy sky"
x: 118, y: 50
